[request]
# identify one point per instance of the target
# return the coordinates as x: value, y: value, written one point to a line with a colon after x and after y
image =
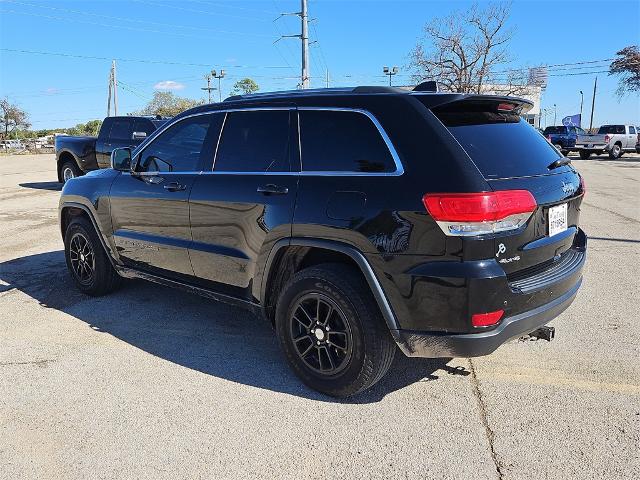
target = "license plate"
x: 557, y: 219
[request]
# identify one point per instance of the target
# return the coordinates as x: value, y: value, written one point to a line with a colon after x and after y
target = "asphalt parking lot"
x: 155, y: 383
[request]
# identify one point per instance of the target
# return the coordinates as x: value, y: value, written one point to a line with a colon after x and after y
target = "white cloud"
x: 168, y: 85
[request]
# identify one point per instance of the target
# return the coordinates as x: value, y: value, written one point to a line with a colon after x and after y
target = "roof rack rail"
x: 316, y: 91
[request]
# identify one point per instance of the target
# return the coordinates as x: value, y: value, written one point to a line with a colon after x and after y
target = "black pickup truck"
x: 76, y: 156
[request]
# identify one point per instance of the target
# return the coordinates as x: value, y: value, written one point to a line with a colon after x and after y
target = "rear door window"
x: 122, y: 129
x: 254, y: 141
x: 143, y: 125
x: 501, y: 144
x: 342, y: 141
x: 632, y: 130
x: 555, y: 130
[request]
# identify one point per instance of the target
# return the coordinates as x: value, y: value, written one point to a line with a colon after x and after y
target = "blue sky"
x: 354, y: 40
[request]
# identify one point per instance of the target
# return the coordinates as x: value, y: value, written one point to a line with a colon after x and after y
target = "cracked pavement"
x: 155, y: 383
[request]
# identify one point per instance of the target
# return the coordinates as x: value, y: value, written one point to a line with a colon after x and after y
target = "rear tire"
x: 87, y: 261
x: 69, y: 170
x: 615, y: 152
x: 332, y: 332
x: 585, y: 154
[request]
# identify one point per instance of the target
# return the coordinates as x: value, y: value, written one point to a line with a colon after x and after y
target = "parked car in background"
x: 638, y: 139
x: 12, y: 145
x: 355, y: 220
x: 76, y: 156
x: 563, y: 137
x: 612, y: 139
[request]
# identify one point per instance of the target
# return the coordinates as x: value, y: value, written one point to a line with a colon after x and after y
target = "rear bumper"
x: 589, y: 146
x: 434, y: 345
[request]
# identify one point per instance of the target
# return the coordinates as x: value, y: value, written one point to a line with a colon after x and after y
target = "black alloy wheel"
x: 82, y: 258
x: 321, y: 334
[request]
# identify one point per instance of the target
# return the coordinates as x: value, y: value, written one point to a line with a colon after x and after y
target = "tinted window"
x: 555, y: 130
x: 501, y: 145
x: 342, y: 141
x: 632, y: 130
x: 142, y: 125
x: 121, y: 129
x: 254, y: 141
x: 580, y: 131
x: 611, y: 129
x: 183, y: 147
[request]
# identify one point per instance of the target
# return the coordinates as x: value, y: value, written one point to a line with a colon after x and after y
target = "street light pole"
x: 219, y: 76
x: 555, y: 113
x: 581, y: 102
x: 390, y: 72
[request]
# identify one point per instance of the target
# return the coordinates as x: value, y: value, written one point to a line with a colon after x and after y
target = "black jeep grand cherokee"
x: 356, y: 220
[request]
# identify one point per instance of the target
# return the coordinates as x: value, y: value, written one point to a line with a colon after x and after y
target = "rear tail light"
x: 583, y: 187
x: 486, y: 319
x: 470, y: 214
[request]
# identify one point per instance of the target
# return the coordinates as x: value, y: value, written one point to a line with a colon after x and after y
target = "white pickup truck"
x: 613, y: 139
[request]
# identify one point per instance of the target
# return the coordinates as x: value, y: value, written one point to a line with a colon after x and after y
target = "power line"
x: 146, y: 22
x: 125, y: 27
x: 138, y: 60
x: 155, y: 4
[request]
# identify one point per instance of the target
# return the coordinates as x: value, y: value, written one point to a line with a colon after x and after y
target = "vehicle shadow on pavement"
x: 54, y: 186
x: 188, y: 330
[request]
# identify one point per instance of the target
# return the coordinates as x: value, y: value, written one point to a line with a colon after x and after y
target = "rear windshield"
x: 611, y: 129
x: 555, y: 130
x: 502, y: 145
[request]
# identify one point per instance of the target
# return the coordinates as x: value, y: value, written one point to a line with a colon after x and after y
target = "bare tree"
x: 461, y: 51
x: 627, y: 66
x: 11, y: 118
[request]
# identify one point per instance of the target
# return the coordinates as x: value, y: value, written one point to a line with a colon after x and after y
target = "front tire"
x: 87, y: 261
x: 332, y: 332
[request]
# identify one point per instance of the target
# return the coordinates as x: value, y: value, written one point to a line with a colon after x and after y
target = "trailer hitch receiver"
x: 542, y: 333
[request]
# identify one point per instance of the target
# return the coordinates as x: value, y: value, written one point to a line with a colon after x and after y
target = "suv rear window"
x: 555, y: 130
x: 611, y: 129
x: 502, y: 145
x: 342, y: 141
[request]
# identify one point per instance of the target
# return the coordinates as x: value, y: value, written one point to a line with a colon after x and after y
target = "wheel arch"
x: 71, y: 210
x: 62, y: 157
x: 290, y: 255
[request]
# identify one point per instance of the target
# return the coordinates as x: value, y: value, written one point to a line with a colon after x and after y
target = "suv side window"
x: 183, y: 147
x: 254, y: 141
x: 143, y: 125
x: 632, y: 129
x: 121, y: 129
x: 342, y: 141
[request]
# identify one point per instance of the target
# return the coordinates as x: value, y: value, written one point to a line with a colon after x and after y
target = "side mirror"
x: 121, y: 159
x: 139, y: 135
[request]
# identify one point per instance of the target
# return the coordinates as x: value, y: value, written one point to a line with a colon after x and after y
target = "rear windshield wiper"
x: 559, y: 163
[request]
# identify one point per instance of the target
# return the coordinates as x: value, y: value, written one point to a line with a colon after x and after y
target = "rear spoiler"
x: 466, y: 101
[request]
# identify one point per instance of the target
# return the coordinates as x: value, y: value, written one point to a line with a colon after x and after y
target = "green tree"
x: 12, y: 118
x: 627, y: 67
x: 167, y: 104
x: 245, y: 86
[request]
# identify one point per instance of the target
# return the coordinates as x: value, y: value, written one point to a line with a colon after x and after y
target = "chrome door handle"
x: 175, y: 187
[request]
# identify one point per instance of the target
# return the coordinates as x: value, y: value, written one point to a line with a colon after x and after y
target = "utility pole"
x: 327, y: 77
x: 555, y: 113
x: 219, y: 76
x: 305, y: 45
x: 305, y: 76
x: 208, y: 88
x: 593, y: 101
x: 115, y: 89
